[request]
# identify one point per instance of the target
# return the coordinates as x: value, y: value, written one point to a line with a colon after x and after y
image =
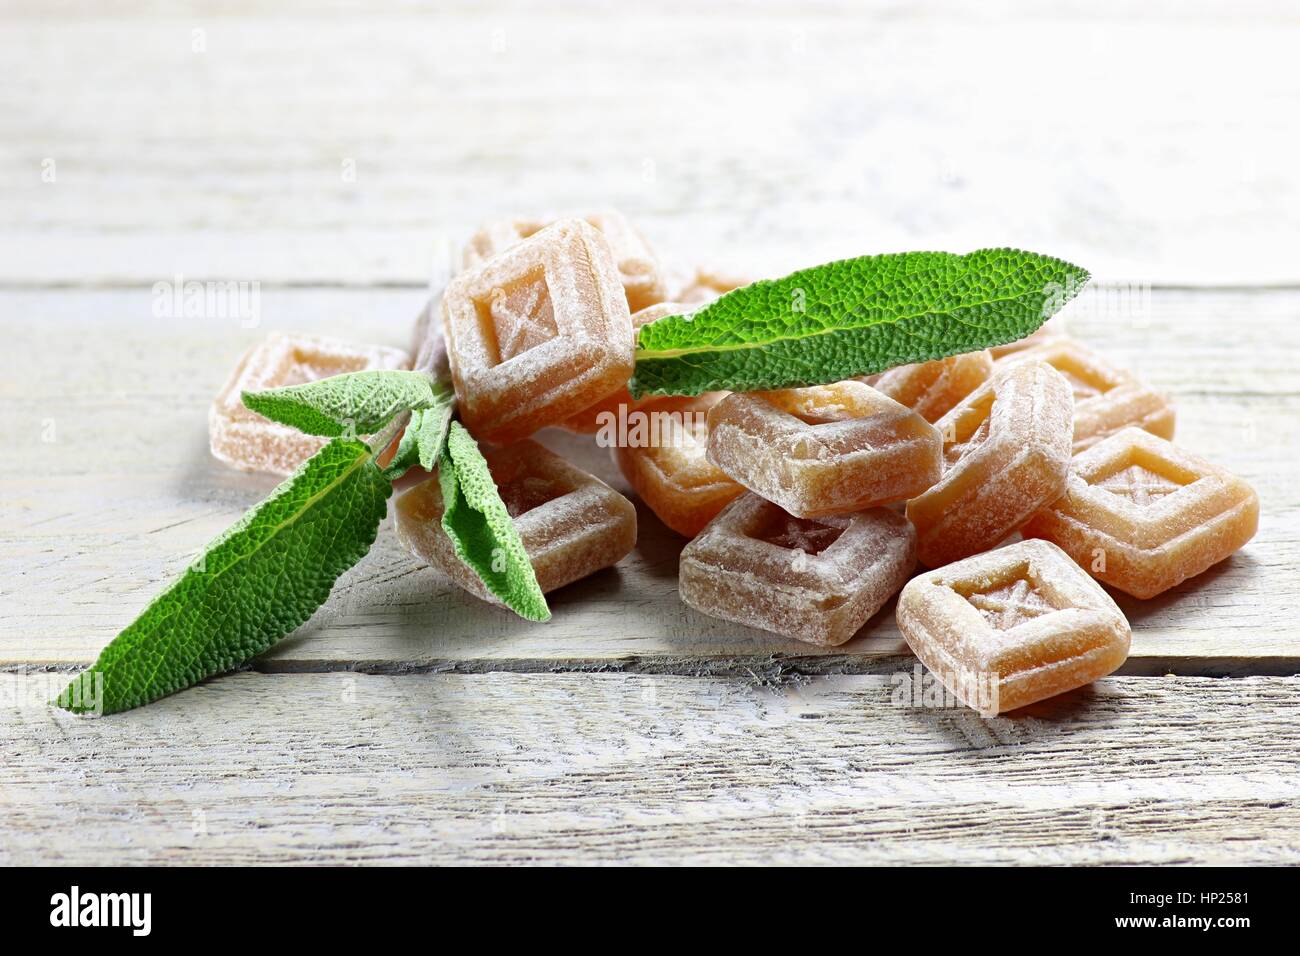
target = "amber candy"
x: 931, y: 389
x: 571, y: 523
x: 1142, y: 515
x: 1106, y: 398
x: 1006, y: 454
x: 825, y: 449
x: 673, y: 475
x: 1012, y: 626
x: 640, y: 272
x: 537, y: 333
x: 814, y: 579
x: 246, y: 440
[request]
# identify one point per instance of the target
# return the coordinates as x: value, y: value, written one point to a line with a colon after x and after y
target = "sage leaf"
x: 481, y: 530
x: 852, y: 317
x: 253, y: 585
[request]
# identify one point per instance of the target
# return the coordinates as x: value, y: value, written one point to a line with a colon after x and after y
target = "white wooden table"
x: 331, y: 157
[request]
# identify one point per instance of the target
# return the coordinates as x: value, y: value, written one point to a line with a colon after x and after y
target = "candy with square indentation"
x: 825, y: 449
x: 537, y: 333
x: 640, y: 272
x: 1143, y: 515
x: 667, y: 465
x: 932, y: 388
x: 814, y: 579
x: 589, y: 420
x: 571, y: 523
x: 1106, y: 398
x: 1006, y: 454
x: 246, y: 440
x: 1009, y: 627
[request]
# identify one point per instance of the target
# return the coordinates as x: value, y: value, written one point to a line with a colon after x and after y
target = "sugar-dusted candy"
x: 246, y: 440
x: 640, y: 272
x: 814, y: 579
x: 824, y: 449
x: 571, y: 523
x: 932, y: 388
x: 1143, y: 515
x: 589, y: 420
x: 1106, y: 398
x: 1006, y: 454
x: 673, y: 475
x: 1013, y: 626
x: 707, y: 284
x: 537, y: 333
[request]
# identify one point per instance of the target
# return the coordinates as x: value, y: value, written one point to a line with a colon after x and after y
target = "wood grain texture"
x: 337, y: 147
x: 616, y: 768
x: 94, y: 521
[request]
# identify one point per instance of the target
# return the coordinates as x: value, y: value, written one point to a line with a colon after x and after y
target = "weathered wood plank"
x: 614, y: 768
x: 338, y: 148
x: 92, y: 522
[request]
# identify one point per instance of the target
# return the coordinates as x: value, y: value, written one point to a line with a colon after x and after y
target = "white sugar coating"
x: 244, y: 439
x: 816, y: 580
x: 826, y: 449
x: 640, y: 272
x: 931, y: 389
x: 1107, y: 398
x: 1007, y: 454
x: 1012, y: 626
x: 538, y: 333
x: 571, y: 523
x: 1143, y: 515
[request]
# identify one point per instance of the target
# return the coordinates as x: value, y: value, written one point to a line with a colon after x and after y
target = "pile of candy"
x: 807, y: 508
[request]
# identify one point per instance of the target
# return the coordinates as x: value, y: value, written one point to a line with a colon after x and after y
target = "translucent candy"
x: 673, y: 476
x: 1143, y: 515
x: 588, y: 421
x: 932, y: 388
x: 816, y: 580
x: 572, y: 524
x: 1106, y: 398
x: 1009, y: 627
x: 640, y: 273
x: 825, y: 449
x: 706, y: 285
x: 537, y: 333
x: 248, y: 441
x: 1006, y: 453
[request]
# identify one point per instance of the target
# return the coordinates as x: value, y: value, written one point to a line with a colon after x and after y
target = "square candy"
x: 537, y: 333
x: 931, y: 389
x: 1013, y: 626
x: 1006, y: 453
x: 824, y: 450
x: 640, y: 273
x: 246, y: 440
x: 1106, y: 398
x: 816, y: 580
x: 1143, y: 515
x: 572, y: 524
x: 673, y: 475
